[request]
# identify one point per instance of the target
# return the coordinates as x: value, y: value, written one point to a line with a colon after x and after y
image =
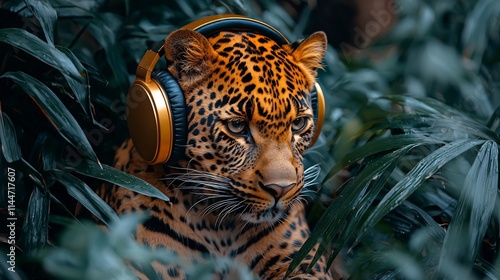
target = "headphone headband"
x: 208, y: 26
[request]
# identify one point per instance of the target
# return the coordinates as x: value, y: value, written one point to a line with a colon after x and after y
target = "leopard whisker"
x: 308, y: 194
x: 194, y: 172
x: 209, y: 191
x: 244, y: 225
x: 198, y: 202
x: 298, y: 201
x: 217, y: 205
x: 208, y: 197
x: 193, y: 176
x: 311, y: 174
x: 228, y: 211
x: 203, y: 182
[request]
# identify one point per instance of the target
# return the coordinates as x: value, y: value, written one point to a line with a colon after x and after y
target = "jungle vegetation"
x: 409, y: 151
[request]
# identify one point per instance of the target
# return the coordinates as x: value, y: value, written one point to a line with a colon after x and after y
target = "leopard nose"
x: 278, y: 190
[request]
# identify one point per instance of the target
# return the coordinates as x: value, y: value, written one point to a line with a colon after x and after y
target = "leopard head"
x: 249, y: 117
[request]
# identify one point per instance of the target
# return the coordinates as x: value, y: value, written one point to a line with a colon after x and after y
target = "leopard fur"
x: 237, y: 191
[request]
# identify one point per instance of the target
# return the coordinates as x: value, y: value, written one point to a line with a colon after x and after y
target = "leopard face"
x: 250, y: 118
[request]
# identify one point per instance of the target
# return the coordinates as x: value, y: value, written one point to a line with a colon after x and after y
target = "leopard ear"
x: 189, y: 55
x: 309, y: 52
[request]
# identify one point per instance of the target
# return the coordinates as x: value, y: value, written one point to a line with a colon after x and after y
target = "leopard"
x: 237, y: 191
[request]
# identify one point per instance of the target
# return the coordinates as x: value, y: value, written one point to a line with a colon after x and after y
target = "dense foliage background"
x: 409, y: 151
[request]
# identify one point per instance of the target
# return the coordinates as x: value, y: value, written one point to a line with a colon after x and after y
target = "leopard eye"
x: 299, y: 124
x: 236, y: 127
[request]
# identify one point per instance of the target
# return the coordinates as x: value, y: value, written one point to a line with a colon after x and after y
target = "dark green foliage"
x: 423, y: 202
x: 409, y: 148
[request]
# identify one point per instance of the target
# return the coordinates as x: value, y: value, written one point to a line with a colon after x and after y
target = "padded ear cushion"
x: 177, y: 108
x: 318, y: 106
x: 314, y: 103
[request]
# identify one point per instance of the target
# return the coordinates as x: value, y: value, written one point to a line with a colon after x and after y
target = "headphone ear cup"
x: 177, y: 103
x: 318, y: 106
x: 156, y: 118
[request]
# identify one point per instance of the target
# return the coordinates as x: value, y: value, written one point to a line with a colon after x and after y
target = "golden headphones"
x: 156, y: 109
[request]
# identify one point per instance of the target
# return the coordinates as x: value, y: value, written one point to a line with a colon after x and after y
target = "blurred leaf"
x: 103, y: 33
x: 46, y: 15
x: 39, y: 49
x: 87, y: 197
x: 440, y: 127
x: 74, y: 10
x: 406, y: 265
x: 127, y: 7
x: 4, y: 269
x: 474, y: 209
x: 115, y: 176
x: 422, y: 105
x: 54, y: 109
x: 186, y: 8
x: 435, y: 62
x: 377, y: 146
x: 86, y: 252
x: 421, y: 172
x: 80, y: 90
x: 494, y: 122
x: 35, y: 228
x: 477, y: 25
x: 8, y: 139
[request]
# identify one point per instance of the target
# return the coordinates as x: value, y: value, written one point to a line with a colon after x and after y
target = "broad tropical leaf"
x: 54, y: 109
x: 115, y: 176
x: 474, y: 210
x: 46, y: 15
x: 87, y: 197
x: 80, y: 90
x: 36, y: 223
x: 422, y: 171
x: 8, y: 139
x: 39, y: 49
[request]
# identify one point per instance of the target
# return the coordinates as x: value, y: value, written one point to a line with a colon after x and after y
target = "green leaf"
x: 377, y: 146
x: 36, y: 224
x: 115, y: 176
x: 421, y: 172
x: 80, y: 89
x: 4, y: 269
x: 366, y: 186
x: 474, y: 209
x: 114, y: 55
x: 335, y: 217
x: 59, y: 219
x: 54, y: 109
x: 87, y: 197
x: 447, y: 128
x: 477, y: 24
x: 28, y: 170
x: 8, y: 139
x: 39, y: 49
x: 12, y: 153
x: 358, y: 213
x: 46, y: 15
x: 494, y: 121
x: 423, y: 105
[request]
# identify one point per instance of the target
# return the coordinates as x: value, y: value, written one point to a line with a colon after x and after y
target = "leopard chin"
x: 272, y: 214
x: 268, y: 216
